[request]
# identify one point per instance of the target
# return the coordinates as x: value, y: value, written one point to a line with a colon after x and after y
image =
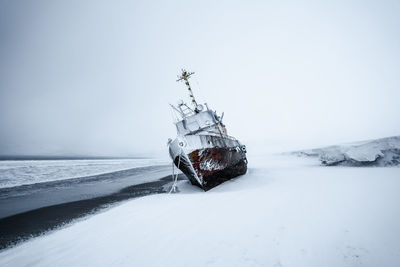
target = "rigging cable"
x: 175, y: 177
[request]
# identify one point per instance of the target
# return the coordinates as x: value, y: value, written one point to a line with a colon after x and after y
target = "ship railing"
x: 213, y: 133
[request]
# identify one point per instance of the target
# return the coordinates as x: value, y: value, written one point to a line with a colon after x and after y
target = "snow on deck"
x: 284, y: 212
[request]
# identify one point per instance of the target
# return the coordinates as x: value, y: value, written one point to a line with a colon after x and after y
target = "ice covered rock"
x: 363, y: 153
x: 380, y: 152
x: 330, y: 157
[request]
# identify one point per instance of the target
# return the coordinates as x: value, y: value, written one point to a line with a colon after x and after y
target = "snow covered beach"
x: 27, y: 211
x: 285, y: 211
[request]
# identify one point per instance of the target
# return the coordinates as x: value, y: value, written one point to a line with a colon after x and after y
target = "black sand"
x: 50, y: 205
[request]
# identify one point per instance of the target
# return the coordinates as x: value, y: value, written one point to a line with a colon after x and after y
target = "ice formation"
x: 379, y: 152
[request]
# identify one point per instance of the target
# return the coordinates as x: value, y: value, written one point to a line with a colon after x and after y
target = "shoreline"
x: 29, y: 211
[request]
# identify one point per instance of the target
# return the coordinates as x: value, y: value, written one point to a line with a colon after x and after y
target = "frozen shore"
x: 27, y: 172
x: 31, y: 210
x: 380, y: 152
x: 285, y: 211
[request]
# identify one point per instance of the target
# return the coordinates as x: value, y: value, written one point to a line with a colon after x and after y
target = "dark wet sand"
x: 45, y: 217
x: 24, y: 198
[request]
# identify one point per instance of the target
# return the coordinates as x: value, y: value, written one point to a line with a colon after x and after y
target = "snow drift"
x: 284, y: 212
x: 381, y: 152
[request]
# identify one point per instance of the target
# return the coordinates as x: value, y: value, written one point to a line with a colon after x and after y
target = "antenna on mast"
x: 185, y: 77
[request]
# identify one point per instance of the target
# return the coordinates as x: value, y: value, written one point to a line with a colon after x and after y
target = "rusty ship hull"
x: 208, y: 166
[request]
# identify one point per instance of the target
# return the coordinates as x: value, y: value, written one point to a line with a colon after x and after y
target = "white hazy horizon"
x: 95, y: 77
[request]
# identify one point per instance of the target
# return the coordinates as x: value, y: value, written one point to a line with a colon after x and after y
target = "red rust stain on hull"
x: 215, y: 165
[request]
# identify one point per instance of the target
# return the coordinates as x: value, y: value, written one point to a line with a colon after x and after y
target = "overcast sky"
x: 95, y: 77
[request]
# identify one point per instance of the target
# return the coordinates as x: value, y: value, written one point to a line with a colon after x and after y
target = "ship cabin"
x: 200, y: 121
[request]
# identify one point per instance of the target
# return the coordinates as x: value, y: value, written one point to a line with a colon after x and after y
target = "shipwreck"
x: 203, y: 150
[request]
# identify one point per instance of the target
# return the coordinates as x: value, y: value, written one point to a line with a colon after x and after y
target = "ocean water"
x: 51, y: 193
x: 24, y: 172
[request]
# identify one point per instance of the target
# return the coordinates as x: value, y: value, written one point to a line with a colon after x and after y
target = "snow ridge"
x: 382, y: 152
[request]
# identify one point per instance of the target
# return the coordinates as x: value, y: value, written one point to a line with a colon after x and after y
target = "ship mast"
x: 185, y: 77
